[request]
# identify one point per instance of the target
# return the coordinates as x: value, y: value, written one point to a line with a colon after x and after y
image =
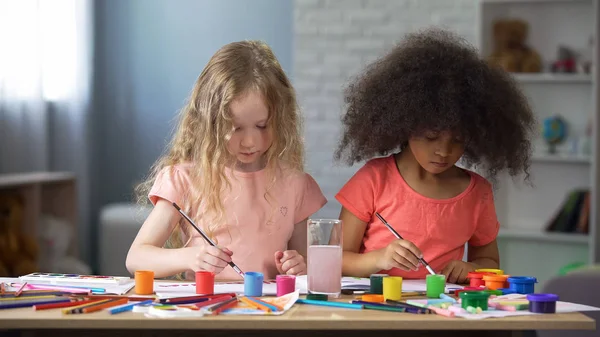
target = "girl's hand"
x: 210, y: 258
x: 401, y: 254
x: 290, y: 262
x: 456, y: 271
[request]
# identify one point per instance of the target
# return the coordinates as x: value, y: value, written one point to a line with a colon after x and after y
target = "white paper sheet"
x: 180, y: 289
x: 407, y: 285
x: 561, y: 307
x: 116, y: 289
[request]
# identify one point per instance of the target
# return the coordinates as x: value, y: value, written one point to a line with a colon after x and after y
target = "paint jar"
x: 474, y: 299
x: 205, y: 282
x: 436, y: 284
x: 494, y: 271
x: 522, y: 284
x: 144, y: 282
x: 376, y: 285
x: 542, y: 303
x: 495, y: 281
x: 392, y: 288
x: 476, y: 278
x: 285, y: 284
x: 253, y: 284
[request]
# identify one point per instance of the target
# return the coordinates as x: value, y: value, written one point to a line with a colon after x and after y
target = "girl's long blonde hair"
x: 205, y: 127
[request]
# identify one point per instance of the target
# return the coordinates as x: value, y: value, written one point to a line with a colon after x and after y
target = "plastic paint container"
x: 436, y: 284
x: 392, y: 288
x: 522, y: 284
x: 542, y: 303
x: 144, y: 282
x: 474, y: 299
x: 495, y: 281
x: 458, y: 291
x: 317, y: 297
x: 285, y: 284
x: 377, y: 284
x: 205, y: 282
x: 494, y: 271
x: 253, y: 284
x: 476, y: 278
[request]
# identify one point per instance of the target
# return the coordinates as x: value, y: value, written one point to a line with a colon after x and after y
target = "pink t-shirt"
x: 255, y: 229
x: 440, y: 228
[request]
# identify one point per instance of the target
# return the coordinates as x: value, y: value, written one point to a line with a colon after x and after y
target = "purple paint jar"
x: 542, y: 303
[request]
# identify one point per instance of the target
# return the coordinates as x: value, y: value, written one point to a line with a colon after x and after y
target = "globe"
x: 554, y: 130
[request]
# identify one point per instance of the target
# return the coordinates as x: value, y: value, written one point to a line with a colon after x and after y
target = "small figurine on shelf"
x: 554, y: 132
x: 566, y: 62
x: 510, y: 51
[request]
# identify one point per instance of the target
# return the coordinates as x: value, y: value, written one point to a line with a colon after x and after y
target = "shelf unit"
x: 524, y: 211
x: 52, y: 193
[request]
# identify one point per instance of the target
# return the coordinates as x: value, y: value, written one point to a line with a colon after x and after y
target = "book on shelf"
x: 574, y: 214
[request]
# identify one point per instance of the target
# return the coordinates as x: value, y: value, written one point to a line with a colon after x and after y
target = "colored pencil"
x: 406, y: 305
x: 68, y: 289
x: 127, y: 307
x: 273, y: 307
x: 330, y: 304
x: 2, y: 290
x: 211, y: 242
x: 254, y: 305
x: 213, y: 301
x: 25, y: 304
x: 71, y: 303
x: 399, y: 237
x: 93, y: 307
x: 31, y: 293
x: 24, y: 298
x: 185, y: 298
x: 130, y: 298
x: 216, y: 309
x: 68, y: 310
x: 391, y: 307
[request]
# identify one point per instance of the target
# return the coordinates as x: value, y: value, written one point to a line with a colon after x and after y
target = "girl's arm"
x: 298, y: 241
x: 354, y: 263
x: 486, y: 256
x: 146, y: 252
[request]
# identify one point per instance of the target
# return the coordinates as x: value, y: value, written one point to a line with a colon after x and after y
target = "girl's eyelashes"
x: 261, y: 126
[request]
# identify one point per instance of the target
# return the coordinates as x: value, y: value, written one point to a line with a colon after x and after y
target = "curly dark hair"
x: 435, y: 80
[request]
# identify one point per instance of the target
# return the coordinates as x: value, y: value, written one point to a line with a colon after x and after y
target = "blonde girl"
x: 235, y: 166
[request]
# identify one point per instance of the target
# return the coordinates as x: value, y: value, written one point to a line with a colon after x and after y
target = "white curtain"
x: 45, y: 80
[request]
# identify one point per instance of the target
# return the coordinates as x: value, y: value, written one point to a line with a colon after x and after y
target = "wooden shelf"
x: 562, y: 158
x: 532, y: 235
x: 21, y: 179
x: 552, y: 78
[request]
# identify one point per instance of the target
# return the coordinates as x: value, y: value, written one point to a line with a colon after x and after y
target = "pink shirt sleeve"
x: 309, y: 198
x: 170, y: 184
x: 358, y: 194
x: 487, y: 226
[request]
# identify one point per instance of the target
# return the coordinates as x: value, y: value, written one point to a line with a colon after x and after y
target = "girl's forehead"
x: 249, y: 108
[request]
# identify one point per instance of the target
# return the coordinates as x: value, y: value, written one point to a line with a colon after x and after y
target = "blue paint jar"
x: 253, y: 284
x: 542, y: 303
x: 522, y: 284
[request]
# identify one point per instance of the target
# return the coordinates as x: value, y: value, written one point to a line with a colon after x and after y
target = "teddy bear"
x: 18, y: 250
x: 55, y: 236
x: 510, y: 51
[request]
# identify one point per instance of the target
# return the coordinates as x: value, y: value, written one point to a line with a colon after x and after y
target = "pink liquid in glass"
x: 325, y: 269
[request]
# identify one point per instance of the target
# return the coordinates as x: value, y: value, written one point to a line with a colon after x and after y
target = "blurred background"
x: 89, y: 91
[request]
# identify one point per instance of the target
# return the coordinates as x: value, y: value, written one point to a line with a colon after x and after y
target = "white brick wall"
x: 334, y: 39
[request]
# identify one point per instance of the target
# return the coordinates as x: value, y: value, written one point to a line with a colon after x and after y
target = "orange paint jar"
x: 476, y: 278
x: 494, y: 282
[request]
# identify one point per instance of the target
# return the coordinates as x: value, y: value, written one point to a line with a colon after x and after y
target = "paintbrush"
x: 211, y: 242
x: 399, y: 237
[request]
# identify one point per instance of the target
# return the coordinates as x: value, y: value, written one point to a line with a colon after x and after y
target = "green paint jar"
x: 376, y: 285
x: 436, y: 284
x: 474, y: 299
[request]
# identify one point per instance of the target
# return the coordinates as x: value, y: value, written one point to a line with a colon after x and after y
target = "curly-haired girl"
x: 427, y: 104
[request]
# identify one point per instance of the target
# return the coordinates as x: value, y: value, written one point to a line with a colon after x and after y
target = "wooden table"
x: 305, y: 320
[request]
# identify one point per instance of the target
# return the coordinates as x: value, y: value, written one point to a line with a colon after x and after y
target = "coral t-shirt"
x: 439, y: 227
x: 255, y: 228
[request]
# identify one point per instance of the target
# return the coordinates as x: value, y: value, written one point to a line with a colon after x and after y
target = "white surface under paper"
x: 117, y: 289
